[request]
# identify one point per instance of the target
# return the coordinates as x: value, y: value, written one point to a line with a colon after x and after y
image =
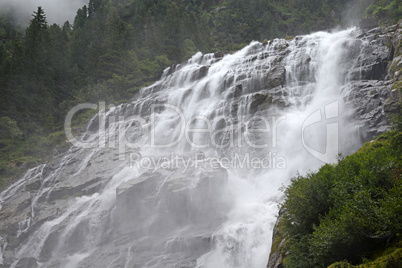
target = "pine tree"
x: 35, y: 34
x: 93, y: 7
x: 39, y: 20
x: 81, y: 18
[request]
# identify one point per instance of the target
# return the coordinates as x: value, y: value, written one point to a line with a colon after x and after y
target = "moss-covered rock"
x: 278, y: 251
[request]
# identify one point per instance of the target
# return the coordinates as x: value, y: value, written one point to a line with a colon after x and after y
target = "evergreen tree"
x: 81, y: 17
x: 93, y: 6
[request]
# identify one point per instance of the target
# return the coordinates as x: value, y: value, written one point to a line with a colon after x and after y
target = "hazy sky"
x: 57, y: 11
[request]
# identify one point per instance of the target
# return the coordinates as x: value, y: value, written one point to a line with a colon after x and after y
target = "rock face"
x: 167, y: 205
x: 373, y: 87
x: 278, y: 242
x: 44, y: 195
x: 378, y: 77
x: 159, y: 203
x: 369, y: 97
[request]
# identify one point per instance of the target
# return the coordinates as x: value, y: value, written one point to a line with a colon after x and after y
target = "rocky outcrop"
x: 394, y: 101
x: 278, y: 254
x: 369, y: 98
x: 375, y: 87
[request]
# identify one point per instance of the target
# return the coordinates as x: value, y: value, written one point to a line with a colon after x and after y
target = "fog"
x: 57, y: 11
x: 354, y: 12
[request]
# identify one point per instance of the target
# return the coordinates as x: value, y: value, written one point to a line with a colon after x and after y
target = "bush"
x: 385, y: 10
x: 346, y: 211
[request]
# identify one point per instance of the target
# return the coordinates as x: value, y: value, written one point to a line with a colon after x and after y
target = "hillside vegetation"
x: 351, y: 212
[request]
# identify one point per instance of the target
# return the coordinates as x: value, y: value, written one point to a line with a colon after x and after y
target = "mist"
x: 57, y: 11
x: 354, y: 12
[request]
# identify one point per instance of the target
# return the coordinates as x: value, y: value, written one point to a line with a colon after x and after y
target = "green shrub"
x: 346, y: 211
x: 385, y: 10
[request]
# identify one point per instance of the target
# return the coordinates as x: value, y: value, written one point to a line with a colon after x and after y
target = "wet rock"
x: 27, y: 263
x: 200, y: 73
x: 260, y: 101
x: 93, y: 125
x: 278, y: 253
x: 219, y: 54
x: 281, y: 45
x: 368, y: 98
x: 241, y: 77
x: 49, y: 245
x: 373, y: 59
x: 14, y: 212
x: 396, y: 68
x: 236, y: 91
x: 393, y: 103
x: 158, y: 195
x: 128, y: 193
x: 173, y: 69
x: 152, y: 89
x: 275, y: 77
x: 18, y: 220
x: 151, y: 104
x: 34, y: 186
x: 86, y: 188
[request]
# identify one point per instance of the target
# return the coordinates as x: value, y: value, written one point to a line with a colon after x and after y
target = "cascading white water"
x: 254, y: 104
x: 316, y: 71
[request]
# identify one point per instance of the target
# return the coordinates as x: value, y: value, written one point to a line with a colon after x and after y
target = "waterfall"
x: 188, y: 173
